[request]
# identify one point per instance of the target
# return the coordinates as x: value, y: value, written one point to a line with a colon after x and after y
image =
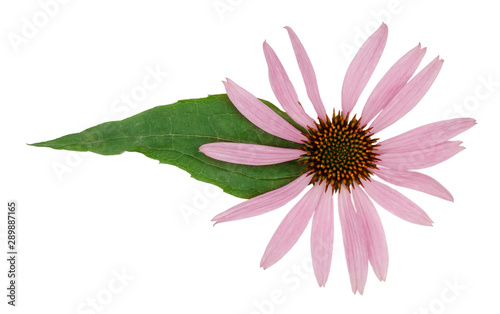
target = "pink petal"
x: 291, y: 227
x: 250, y: 154
x: 322, y: 237
x: 414, y: 180
x: 265, y: 202
x: 408, y: 97
x: 284, y: 90
x: 426, y: 135
x: 392, y: 82
x: 308, y: 74
x: 260, y: 114
x: 378, y: 253
x: 420, y: 158
x: 354, y: 239
x: 361, y: 68
x: 396, y: 203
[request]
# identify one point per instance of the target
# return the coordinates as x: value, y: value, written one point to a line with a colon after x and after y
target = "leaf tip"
x: 39, y: 144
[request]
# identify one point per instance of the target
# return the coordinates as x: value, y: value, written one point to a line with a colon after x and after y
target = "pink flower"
x: 343, y: 157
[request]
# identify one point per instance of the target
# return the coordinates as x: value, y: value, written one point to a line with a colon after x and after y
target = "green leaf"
x: 172, y: 134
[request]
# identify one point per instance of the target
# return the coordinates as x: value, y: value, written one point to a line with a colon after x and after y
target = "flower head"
x: 342, y: 155
x: 339, y: 151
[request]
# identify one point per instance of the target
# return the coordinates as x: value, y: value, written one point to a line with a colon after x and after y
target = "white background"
x: 97, y: 216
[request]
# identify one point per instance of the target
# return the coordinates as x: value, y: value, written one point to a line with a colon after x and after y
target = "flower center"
x: 339, y: 151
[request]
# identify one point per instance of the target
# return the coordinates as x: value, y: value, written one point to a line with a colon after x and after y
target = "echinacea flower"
x: 342, y: 156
